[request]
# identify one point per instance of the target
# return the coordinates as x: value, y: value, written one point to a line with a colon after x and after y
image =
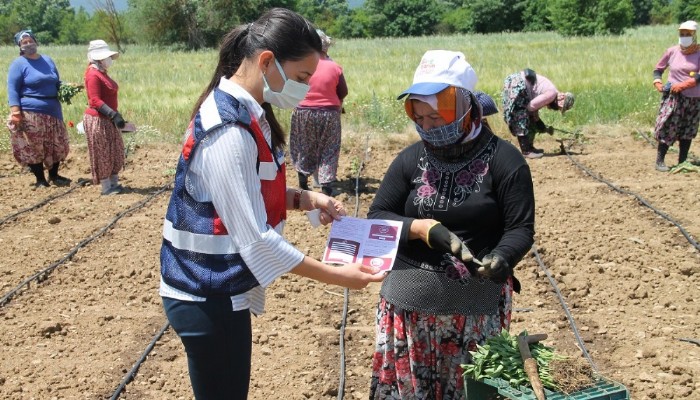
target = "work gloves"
x: 442, y: 239
x: 113, y: 115
x: 681, y: 86
x: 496, y: 268
x: 541, y: 127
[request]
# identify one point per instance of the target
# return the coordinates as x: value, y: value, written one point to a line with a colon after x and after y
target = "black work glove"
x: 540, y: 126
x: 441, y: 238
x: 113, y: 115
x: 118, y: 121
x: 495, y: 267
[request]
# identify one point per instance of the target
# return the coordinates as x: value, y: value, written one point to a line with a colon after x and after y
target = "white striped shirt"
x: 223, y: 171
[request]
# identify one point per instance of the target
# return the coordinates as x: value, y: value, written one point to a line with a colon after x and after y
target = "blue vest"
x: 197, y: 256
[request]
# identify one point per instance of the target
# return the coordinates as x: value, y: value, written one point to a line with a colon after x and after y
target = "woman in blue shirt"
x: 37, y: 133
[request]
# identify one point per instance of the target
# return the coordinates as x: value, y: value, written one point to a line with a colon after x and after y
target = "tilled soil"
x: 629, y: 278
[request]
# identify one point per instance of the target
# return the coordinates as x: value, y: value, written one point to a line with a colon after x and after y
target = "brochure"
x: 372, y: 242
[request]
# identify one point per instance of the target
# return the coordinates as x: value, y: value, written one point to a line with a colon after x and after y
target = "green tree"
x: 397, y: 18
x: 687, y: 10
x: 71, y: 27
x: 323, y: 13
x: 457, y: 20
x: 661, y: 12
x: 353, y: 25
x: 537, y: 16
x: 642, y: 11
x: 591, y: 17
x: 44, y: 17
x: 490, y: 16
x: 195, y: 23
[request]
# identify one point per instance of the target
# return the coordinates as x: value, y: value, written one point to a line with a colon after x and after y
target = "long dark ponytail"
x: 287, y: 34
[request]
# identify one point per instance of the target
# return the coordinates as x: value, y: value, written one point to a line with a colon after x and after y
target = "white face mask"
x: 107, y: 62
x: 685, y: 41
x: 292, y: 93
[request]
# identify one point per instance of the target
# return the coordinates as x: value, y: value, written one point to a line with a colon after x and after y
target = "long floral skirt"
x: 105, y: 145
x: 314, y: 142
x: 515, y: 101
x: 40, y: 139
x: 678, y: 118
x: 418, y: 356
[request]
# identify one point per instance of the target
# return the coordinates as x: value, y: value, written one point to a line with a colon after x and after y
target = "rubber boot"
x: 684, y: 148
x: 533, y: 148
x: 57, y: 179
x: 303, y: 181
x: 526, y: 148
x: 661, y: 151
x: 114, y: 182
x: 38, y: 171
x: 327, y: 189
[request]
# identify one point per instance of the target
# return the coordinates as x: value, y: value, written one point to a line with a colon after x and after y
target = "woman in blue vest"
x: 222, y: 236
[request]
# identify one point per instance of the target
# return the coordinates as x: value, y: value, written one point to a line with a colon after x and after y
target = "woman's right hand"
x: 16, y: 118
x: 358, y: 276
x: 351, y: 276
x: 659, y: 86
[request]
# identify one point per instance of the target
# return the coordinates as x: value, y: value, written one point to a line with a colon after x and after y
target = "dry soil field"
x: 630, y: 279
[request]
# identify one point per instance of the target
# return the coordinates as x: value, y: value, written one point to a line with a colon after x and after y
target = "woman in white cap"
x: 102, y: 120
x: 37, y: 132
x: 463, y: 195
x: 524, y: 94
x: 679, y: 112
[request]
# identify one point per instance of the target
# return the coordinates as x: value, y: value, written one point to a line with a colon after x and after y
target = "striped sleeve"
x: 226, y: 166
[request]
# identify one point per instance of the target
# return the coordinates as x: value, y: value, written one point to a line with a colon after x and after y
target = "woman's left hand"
x: 331, y: 208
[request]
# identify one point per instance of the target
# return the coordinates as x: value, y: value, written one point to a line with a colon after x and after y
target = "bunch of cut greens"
x: 66, y: 91
x: 500, y: 358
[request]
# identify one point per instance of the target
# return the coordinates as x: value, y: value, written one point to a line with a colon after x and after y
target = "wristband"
x: 297, y: 199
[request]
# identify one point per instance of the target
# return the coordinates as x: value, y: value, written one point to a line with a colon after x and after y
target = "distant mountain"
x: 121, y: 5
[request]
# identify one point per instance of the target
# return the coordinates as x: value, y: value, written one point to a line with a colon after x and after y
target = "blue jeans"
x: 218, y: 343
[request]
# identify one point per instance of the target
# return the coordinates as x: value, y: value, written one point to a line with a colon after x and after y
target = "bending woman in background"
x: 524, y: 94
x: 222, y: 237
x: 37, y: 132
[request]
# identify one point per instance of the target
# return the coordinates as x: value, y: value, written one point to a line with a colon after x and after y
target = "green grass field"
x: 610, y: 75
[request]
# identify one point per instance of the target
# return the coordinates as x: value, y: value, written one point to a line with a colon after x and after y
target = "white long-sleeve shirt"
x: 223, y: 171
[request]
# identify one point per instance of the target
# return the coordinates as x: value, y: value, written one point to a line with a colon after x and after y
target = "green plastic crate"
x: 489, y: 389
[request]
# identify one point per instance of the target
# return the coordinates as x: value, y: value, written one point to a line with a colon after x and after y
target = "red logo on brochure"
x: 382, y: 263
x: 383, y: 232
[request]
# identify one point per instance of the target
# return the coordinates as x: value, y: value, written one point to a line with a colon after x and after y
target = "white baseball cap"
x: 439, y: 69
x: 689, y: 26
x: 99, y: 50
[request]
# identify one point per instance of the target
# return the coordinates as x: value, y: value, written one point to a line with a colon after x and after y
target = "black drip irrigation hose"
x: 346, y: 292
x: 43, y: 274
x: 132, y: 373
x: 635, y: 195
x: 574, y: 328
x: 35, y: 206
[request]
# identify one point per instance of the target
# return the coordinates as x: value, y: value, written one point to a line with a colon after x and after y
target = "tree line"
x: 194, y: 24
